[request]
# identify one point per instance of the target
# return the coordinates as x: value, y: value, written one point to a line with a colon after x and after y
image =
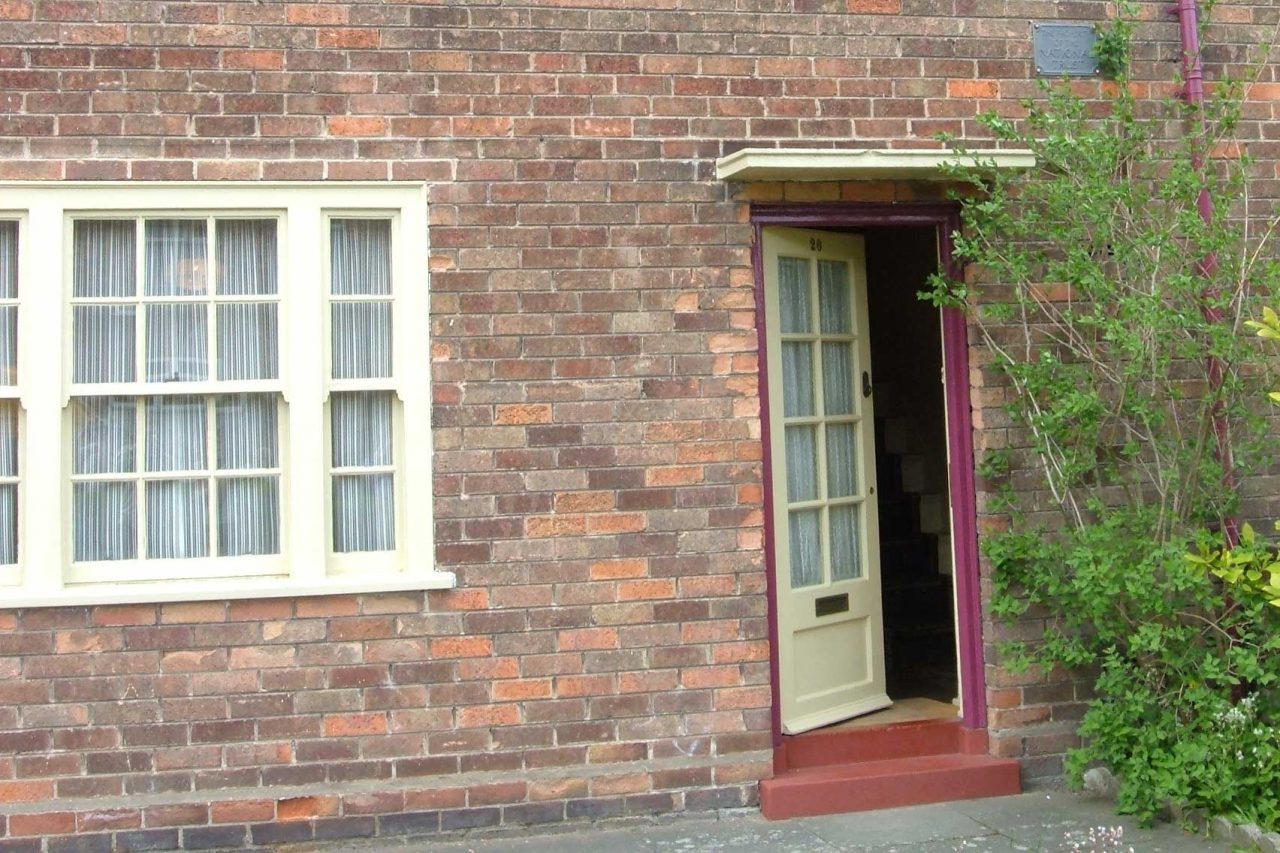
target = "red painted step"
x: 877, y: 743
x: 830, y: 771
x: 866, y: 785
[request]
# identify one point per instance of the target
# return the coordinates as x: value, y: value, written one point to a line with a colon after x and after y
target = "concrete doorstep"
x: 1043, y: 820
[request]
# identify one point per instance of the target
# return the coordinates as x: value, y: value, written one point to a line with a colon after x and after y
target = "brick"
x: 303, y: 808
x: 25, y: 792
x: 332, y: 829
x: 973, y: 89
x: 175, y: 815
x: 44, y: 823
x: 357, y: 125
x: 409, y: 823
x: 101, y: 843
x: 242, y: 811
x: 213, y: 837
x: 459, y: 819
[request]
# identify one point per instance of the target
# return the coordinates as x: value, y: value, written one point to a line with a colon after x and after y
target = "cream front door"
x: 821, y: 433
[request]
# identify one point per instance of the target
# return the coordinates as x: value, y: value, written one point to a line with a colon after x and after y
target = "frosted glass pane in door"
x: 793, y: 295
x: 806, y: 548
x: 837, y: 378
x: 845, y: 561
x: 797, y: 379
x: 833, y: 297
x: 802, y: 463
x: 842, y: 460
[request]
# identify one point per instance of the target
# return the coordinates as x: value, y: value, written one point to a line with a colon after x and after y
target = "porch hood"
x: 862, y: 164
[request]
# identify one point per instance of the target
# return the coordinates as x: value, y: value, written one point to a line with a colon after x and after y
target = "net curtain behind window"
x: 177, y: 460
x: 361, y: 421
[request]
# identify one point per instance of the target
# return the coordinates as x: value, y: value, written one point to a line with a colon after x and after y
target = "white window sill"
x: 225, y: 589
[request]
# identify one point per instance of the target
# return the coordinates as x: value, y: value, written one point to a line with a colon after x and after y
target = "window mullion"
x: 302, y: 300
x: 43, y: 383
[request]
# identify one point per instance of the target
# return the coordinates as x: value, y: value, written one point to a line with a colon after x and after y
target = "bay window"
x: 206, y: 377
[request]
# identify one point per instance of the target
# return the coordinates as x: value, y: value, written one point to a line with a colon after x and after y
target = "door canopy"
x: 865, y: 164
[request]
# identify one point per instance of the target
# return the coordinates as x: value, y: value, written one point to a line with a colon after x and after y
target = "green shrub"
x: 1114, y: 313
x: 1188, y: 668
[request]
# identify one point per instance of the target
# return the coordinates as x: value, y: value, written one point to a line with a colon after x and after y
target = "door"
x: 821, y: 433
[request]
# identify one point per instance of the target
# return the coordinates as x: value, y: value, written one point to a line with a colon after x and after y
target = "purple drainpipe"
x: 1193, y: 92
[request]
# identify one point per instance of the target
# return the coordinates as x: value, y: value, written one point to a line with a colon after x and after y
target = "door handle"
x: 866, y: 384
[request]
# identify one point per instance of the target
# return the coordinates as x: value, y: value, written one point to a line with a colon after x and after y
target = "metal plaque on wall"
x: 1064, y: 49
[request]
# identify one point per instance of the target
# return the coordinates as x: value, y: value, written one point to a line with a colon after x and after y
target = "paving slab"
x: 1046, y: 820
x: 913, y: 826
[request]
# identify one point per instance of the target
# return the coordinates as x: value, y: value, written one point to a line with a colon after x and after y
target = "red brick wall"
x: 598, y: 475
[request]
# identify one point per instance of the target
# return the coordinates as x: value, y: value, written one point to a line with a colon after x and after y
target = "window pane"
x: 246, y: 431
x: 361, y: 256
x: 177, y: 519
x: 793, y: 294
x: 176, y: 434
x: 246, y: 256
x: 9, y: 438
x: 837, y: 378
x: 248, y: 516
x: 104, y: 343
x: 103, y: 518
x: 845, y: 562
x: 797, y: 379
x: 363, y: 513
x: 842, y: 460
x: 806, y: 548
x: 177, y: 343
x: 9, y: 345
x: 247, y: 341
x: 361, y: 429
x: 361, y: 339
x: 833, y: 297
x: 802, y: 463
x: 9, y: 524
x: 176, y: 261
x: 105, y: 431
x: 105, y: 257
x: 8, y: 259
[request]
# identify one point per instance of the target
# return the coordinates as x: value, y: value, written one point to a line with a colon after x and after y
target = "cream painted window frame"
x: 307, y: 566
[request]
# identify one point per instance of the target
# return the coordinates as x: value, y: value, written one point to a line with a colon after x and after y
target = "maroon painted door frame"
x: 945, y: 220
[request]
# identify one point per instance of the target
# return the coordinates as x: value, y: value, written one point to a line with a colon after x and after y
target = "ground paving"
x: 1046, y: 820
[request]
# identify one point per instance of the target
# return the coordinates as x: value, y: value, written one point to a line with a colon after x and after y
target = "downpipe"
x: 1188, y: 14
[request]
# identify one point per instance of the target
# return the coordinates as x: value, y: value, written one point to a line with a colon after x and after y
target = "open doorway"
x: 860, y: 503
x: 917, y: 573
x: 833, y: 282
